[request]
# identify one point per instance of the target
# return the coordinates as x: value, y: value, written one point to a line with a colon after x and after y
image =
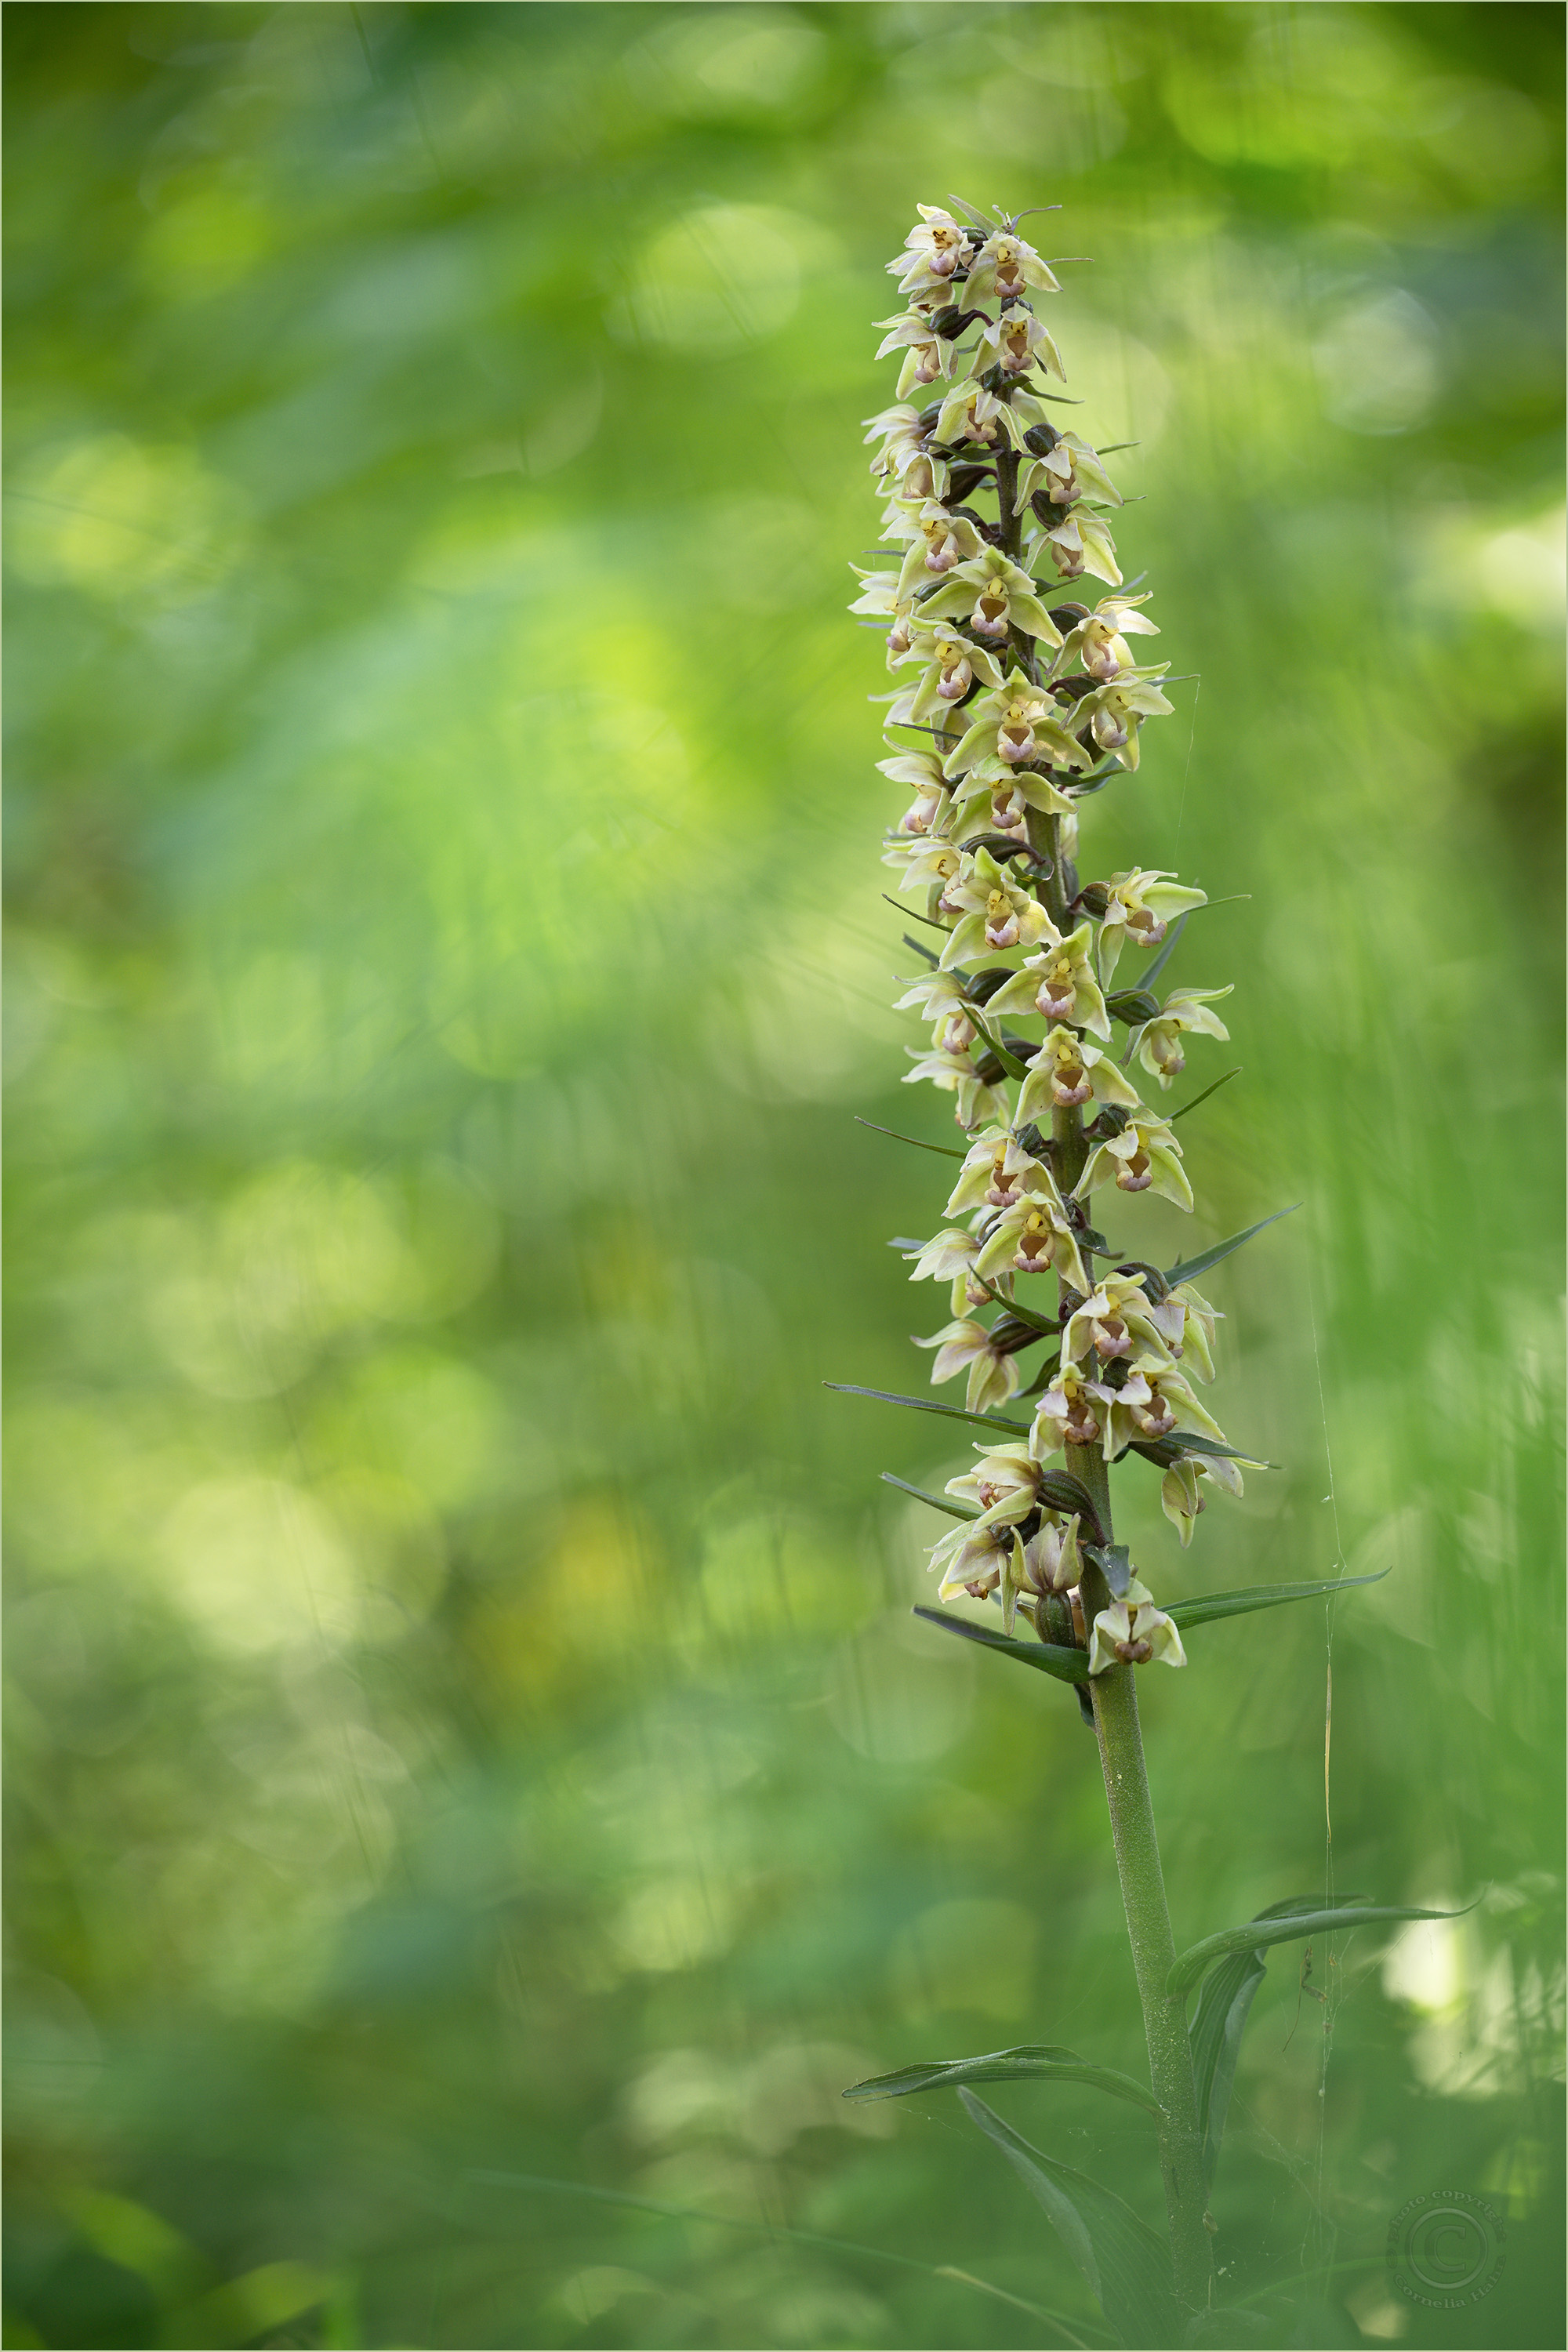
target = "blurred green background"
x: 465, y: 1713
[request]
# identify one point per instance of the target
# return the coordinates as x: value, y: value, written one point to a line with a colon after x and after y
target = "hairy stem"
x: 1149, y: 1933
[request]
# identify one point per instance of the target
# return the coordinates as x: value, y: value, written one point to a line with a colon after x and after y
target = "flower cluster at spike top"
x: 1020, y: 699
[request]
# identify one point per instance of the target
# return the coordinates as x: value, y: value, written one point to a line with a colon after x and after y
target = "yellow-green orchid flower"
x: 1139, y: 907
x: 949, y: 1256
x: 1144, y: 1157
x: 993, y: 1372
x: 933, y: 798
x: 1152, y: 1402
x: 994, y: 912
x: 903, y: 450
x: 1181, y: 1489
x: 1184, y: 1011
x: 1066, y: 1071
x: 1014, y: 726
x: 993, y: 595
x: 996, y: 1173
x: 952, y: 664
x: 978, y: 1559
x: 954, y: 1073
x: 1193, y: 1342
x: 1068, y: 1413
x: 1033, y: 1236
x: 1132, y: 1632
x: 1059, y: 982
x: 1015, y: 342
x: 939, y: 543
x: 1118, y: 1317
x: 1003, y: 270
x: 936, y: 252
x: 1003, y: 1484
x: 1068, y: 471
x: 928, y: 356
x: 1079, y: 543
x: 1100, y: 640
x: 1116, y: 712
x: 969, y: 413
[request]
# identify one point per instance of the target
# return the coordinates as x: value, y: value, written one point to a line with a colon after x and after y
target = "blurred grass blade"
x: 1255, y: 1935
x: 1220, y: 2020
x: 1032, y: 2061
x: 947, y: 1150
x: 1185, y: 1269
x: 1124, y: 2265
x: 1211, y: 1607
x: 1067, y: 1665
x: 938, y: 1502
x: 1218, y: 2026
x: 930, y: 1404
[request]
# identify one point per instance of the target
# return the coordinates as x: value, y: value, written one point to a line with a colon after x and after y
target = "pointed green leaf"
x: 1211, y: 1607
x: 1166, y: 1450
x: 946, y: 1149
x: 930, y: 1404
x: 913, y: 912
x: 1048, y: 1326
x: 938, y: 1502
x: 1124, y: 2265
x: 1187, y: 1269
x: 1067, y: 1665
x: 1010, y: 1062
x: 1255, y: 1935
x: 1171, y: 1116
x: 1034, y: 2061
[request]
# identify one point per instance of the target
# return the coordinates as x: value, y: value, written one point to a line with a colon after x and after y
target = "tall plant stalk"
x: 1024, y: 702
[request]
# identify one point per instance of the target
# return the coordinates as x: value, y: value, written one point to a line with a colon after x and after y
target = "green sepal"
x: 938, y: 1502
x: 1185, y: 1269
x: 1209, y: 1609
x: 1187, y: 1969
x: 1065, y: 1665
x: 930, y: 1404
x: 1124, y: 2265
x: 1032, y: 2061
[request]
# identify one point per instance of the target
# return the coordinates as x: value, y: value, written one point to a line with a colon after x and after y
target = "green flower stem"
x: 1115, y: 1699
